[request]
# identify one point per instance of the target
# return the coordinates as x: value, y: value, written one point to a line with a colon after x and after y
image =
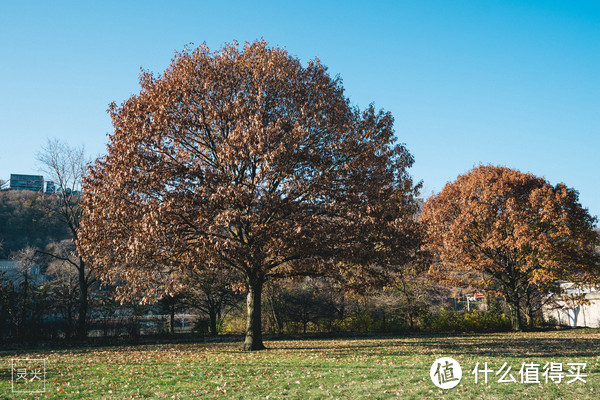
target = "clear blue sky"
x: 506, y: 82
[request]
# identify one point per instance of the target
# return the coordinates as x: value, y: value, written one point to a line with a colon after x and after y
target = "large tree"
x: 498, y: 228
x: 245, y: 159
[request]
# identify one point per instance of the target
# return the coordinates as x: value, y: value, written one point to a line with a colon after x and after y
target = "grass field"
x: 389, y: 367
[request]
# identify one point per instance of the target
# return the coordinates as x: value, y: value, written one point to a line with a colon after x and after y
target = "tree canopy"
x: 498, y: 228
x: 245, y: 159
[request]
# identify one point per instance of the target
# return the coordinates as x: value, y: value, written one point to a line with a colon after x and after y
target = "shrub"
x: 474, y: 321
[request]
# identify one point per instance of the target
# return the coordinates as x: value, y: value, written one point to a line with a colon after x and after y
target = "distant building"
x: 50, y: 187
x: 576, y: 306
x: 12, y: 271
x: 25, y: 182
x: 7, y: 266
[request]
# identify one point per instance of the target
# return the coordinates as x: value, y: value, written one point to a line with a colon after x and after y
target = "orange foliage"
x: 244, y: 159
x: 496, y: 227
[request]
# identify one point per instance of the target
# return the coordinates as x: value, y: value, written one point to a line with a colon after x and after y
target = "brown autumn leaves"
x: 499, y: 229
x: 246, y: 160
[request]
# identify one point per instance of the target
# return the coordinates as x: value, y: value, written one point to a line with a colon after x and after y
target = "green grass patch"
x: 376, y: 368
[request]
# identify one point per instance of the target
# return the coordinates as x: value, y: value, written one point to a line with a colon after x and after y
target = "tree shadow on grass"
x: 519, y: 347
x: 475, y: 345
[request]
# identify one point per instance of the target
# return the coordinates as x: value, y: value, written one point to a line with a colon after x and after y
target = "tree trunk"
x: 529, y: 318
x: 409, y: 309
x: 22, y: 330
x: 212, y: 327
x: 517, y: 324
x: 172, y: 319
x: 529, y: 313
x: 277, y: 323
x: 69, y: 327
x: 83, y: 302
x: 253, y: 320
x: 513, y: 299
x: 275, y: 317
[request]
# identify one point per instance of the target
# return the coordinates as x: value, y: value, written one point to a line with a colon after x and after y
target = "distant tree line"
x: 28, y: 219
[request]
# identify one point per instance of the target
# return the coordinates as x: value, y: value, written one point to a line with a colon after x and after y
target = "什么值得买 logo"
x: 445, y: 373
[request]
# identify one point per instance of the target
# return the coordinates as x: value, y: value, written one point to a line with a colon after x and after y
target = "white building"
x: 577, y: 306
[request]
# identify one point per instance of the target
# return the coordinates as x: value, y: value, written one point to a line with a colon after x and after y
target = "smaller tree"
x: 500, y: 229
x: 67, y: 166
x: 23, y: 299
x: 298, y: 303
x: 26, y: 265
x: 412, y: 287
x: 172, y: 303
x: 215, y: 292
x: 64, y: 285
